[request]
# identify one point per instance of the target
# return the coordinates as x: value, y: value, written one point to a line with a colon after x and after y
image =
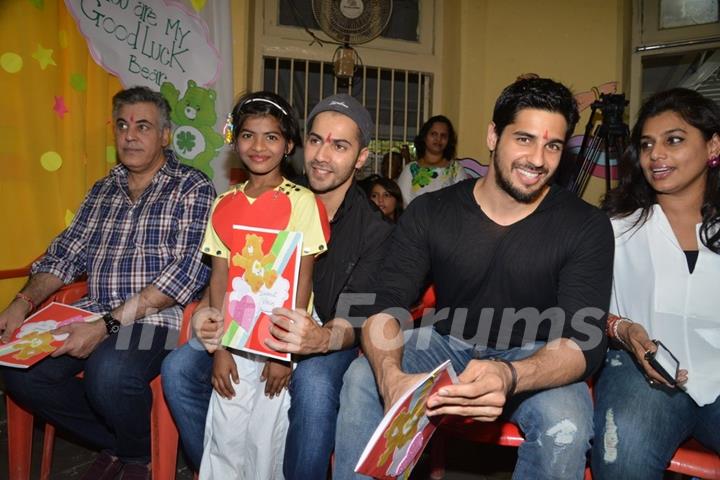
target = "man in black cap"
x: 339, y: 129
x: 338, y: 133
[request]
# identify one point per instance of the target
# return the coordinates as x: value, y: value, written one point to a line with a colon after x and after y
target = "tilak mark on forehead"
x: 545, y: 135
x: 328, y: 139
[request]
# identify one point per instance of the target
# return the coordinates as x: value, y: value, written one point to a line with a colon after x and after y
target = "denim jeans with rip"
x: 557, y: 423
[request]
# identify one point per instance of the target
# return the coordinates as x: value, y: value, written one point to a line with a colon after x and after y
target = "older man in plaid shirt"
x: 137, y: 237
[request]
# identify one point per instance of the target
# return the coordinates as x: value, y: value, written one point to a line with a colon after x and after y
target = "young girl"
x: 247, y: 418
x: 386, y: 194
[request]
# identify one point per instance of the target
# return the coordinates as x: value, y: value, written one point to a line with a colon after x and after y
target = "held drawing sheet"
x: 263, y: 275
x: 403, y: 433
x: 34, y: 341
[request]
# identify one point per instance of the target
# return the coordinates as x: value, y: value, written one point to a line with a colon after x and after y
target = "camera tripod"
x: 610, y: 137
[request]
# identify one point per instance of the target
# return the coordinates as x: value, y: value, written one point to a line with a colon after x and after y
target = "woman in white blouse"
x: 666, y: 217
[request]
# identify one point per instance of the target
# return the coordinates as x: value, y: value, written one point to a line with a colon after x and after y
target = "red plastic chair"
x: 164, y: 435
x: 426, y: 301
x: 690, y: 459
x: 696, y: 461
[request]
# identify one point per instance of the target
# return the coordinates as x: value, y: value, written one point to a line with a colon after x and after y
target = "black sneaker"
x: 135, y: 471
x: 105, y: 467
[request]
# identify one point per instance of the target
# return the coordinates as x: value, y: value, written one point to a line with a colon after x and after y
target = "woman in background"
x: 666, y: 217
x: 386, y: 194
x: 436, y: 166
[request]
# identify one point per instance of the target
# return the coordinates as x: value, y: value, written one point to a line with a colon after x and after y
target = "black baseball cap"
x: 349, y: 106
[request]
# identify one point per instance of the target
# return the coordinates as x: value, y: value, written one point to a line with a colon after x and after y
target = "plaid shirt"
x: 124, y: 246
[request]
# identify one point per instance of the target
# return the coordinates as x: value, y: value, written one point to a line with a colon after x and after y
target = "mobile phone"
x: 664, y: 362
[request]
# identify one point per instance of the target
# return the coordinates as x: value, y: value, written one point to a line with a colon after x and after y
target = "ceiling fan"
x: 351, y: 22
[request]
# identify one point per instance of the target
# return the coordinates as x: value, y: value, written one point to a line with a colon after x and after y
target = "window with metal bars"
x: 398, y: 100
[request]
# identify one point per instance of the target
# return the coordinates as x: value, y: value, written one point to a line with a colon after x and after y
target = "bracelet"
x: 612, y: 328
x: 615, y: 331
x: 513, y: 374
x: 27, y: 300
x: 611, y: 319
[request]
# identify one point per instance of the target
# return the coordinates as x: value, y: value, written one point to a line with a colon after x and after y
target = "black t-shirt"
x: 504, y: 286
x: 358, y: 241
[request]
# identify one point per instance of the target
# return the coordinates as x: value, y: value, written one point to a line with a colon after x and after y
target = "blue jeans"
x: 557, y: 423
x: 638, y: 427
x: 314, y: 402
x: 186, y: 374
x: 109, y: 408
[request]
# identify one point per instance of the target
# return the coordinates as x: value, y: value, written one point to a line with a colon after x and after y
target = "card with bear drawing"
x: 397, y: 443
x: 263, y: 275
x: 35, y: 338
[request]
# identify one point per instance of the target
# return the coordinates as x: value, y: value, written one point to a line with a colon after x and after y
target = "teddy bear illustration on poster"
x: 263, y: 275
x: 37, y: 338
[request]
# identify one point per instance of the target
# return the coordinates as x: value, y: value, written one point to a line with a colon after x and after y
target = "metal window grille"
x: 711, y: 87
x: 398, y: 100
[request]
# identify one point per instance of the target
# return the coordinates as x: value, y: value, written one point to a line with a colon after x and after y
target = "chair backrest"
x: 70, y: 293
x: 186, y: 327
x: 426, y: 301
x: 75, y: 291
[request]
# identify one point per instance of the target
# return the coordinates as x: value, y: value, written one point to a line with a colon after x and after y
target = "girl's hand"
x: 208, y: 326
x: 224, y: 369
x: 636, y: 338
x: 276, y: 375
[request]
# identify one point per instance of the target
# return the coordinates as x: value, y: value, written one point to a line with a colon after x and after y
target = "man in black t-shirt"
x: 522, y: 272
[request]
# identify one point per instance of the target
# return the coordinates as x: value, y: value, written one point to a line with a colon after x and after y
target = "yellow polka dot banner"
x: 11, y: 62
x: 53, y: 128
x: 51, y: 161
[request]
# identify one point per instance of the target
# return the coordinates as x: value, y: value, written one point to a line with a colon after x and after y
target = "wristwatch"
x: 112, y: 325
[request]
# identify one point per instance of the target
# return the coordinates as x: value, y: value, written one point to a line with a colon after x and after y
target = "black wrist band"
x: 112, y: 325
x: 513, y: 374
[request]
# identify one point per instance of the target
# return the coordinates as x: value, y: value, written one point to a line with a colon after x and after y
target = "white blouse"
x: 653, y: 286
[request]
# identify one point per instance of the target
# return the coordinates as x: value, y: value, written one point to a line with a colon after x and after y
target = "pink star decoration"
x: 60, y: 107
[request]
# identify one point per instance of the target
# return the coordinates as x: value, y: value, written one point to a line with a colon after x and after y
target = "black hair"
x: 263, y: 104
x: 393, y: 159
x: 365, y: 183
x: 538, y: 93
x: 133, y: 95
x: 392, y: 188
x: 634, y: 191
x: 449, y: 152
